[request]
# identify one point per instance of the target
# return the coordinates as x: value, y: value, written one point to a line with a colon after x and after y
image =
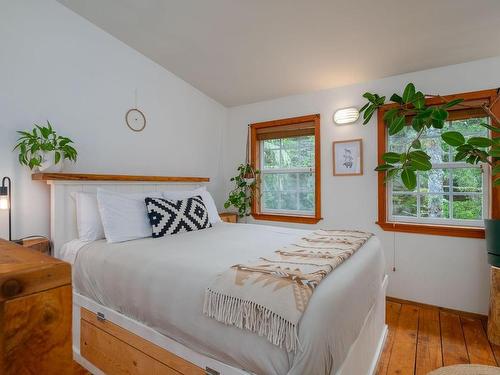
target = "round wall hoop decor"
x: 135, y: 119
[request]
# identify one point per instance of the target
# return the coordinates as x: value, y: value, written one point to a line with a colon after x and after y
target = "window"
x: 452, y: 198
x: 452, y: 193
x: 287, y: 154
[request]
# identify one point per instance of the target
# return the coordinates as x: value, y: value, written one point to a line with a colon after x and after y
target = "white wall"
x: 55, y: 65
x: 444, y: 271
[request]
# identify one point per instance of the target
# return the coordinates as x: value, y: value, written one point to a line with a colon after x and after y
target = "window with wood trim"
x: 287, y: 153
x: 453, y: 197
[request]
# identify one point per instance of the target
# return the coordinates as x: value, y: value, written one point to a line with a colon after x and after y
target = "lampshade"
x: 4, y: 198
x: 346, y: 116
x: 4, y: 202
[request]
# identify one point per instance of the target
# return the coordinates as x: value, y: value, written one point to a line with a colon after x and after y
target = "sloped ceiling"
x: 243, y: 51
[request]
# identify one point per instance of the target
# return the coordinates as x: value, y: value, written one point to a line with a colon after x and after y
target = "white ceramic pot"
x: 49, y: 163
x: 249, y: 181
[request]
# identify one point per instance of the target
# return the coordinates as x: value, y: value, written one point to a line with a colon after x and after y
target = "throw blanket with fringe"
x: 269, y: 296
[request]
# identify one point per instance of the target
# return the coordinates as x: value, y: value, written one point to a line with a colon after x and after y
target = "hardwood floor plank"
x: 478, y: 346
x: 452, y: 340
x: 496, y: 352
x: 494, y: 348
x: 392, y: 311
x: 402, y: 361
x: 429, y: 352
x: 79, y: 370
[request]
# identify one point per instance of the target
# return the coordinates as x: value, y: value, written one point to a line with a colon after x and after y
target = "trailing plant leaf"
x: 397, y: 124
x: 409, y: 179
x: 397, y: 99
x: 416, y: 144
x: 491, y: 127
x: 439, y: 114
x: 391, y: 157
x: 408, y: 93
x: 453, y: 138
x: 461, y: 155
x: 480, y: 142
x: 452, y: 103
x: 419, y: 100
x: 389, y: 115
x: 384, y: 167
x: 420, y: 162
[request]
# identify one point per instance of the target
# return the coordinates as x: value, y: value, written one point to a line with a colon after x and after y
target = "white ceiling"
x: 243, y: 51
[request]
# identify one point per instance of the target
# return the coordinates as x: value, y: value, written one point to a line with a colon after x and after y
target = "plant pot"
x: 49, y: 163
x: 492, y: 228
x: 249, y: 180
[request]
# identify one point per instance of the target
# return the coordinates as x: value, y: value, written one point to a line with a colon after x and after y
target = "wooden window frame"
x: 255, y: 162
x: 433, y: 229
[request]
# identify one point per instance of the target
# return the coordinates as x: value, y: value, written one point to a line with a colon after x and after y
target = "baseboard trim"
x: 445, y: 309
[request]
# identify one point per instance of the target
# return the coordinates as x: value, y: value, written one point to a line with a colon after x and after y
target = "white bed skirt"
x: 362, y: 357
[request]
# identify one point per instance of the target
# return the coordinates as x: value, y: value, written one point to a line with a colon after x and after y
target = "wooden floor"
x: 421, y: 339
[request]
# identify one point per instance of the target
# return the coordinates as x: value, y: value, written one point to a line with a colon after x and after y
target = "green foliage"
x: 410, y: 109
x: 41, y: 139
x: 242, y: 194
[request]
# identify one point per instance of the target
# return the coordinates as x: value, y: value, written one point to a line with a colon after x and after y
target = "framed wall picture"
x: 348, y: 158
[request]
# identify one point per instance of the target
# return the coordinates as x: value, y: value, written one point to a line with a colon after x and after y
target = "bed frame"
x: 107, y: 342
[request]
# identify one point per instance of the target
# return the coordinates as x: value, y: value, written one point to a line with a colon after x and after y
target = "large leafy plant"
x: 410, y: 109
x: 42, y: 139
x: 244, y: 190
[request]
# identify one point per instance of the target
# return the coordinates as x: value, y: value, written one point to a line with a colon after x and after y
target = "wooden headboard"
x: 62, y: 205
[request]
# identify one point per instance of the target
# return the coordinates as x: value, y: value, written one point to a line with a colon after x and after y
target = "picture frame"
x: 348, y: 157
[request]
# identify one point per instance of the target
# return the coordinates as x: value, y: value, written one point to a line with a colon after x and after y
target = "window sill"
x: 287, y: 218
x: 437, y: 230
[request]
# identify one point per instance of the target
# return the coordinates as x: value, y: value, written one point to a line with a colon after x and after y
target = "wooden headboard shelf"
x: 112, y: 177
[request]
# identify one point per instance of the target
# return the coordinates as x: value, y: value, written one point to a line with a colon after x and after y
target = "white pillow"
x: 213, y: 214
x: 88, y: 219
x: 124, y: 216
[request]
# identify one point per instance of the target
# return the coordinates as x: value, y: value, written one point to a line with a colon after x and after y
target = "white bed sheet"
x: 161, y: 282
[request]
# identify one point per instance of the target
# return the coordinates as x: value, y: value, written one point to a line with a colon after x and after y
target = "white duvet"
x: 161, y: 282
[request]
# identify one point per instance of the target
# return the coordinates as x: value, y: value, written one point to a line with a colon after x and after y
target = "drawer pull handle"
x: 211, y: 371
x: 101, y: 317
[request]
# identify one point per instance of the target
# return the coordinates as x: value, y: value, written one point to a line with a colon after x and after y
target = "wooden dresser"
x: 35, y: 312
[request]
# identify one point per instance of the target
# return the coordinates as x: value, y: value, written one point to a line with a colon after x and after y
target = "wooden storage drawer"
x: 115, y: 350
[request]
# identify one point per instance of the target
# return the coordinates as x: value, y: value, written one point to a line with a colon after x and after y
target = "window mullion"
x: 450, y: 193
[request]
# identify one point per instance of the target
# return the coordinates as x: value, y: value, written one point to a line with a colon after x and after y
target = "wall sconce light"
x: 346, y: 116
x: 6, y: 201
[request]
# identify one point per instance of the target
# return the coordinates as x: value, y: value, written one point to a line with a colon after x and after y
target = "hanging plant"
x: 244, y: 190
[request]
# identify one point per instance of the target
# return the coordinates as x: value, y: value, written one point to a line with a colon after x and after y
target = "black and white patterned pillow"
x: 171, y: 217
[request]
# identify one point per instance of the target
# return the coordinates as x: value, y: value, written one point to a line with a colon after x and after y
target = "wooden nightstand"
x: 39, y: 244
x: 229, y: 217
x: 35, y: 306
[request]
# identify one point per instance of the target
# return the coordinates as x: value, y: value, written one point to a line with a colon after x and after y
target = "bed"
x: 153, y: 290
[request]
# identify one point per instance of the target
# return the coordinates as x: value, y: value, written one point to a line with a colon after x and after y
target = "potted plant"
x: 405, y: 165
x: 43, y: 150
x: 244, y: 190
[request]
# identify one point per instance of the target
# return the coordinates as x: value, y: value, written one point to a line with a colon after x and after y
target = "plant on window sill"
x: 404, y: 165
x: 244, y: 191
